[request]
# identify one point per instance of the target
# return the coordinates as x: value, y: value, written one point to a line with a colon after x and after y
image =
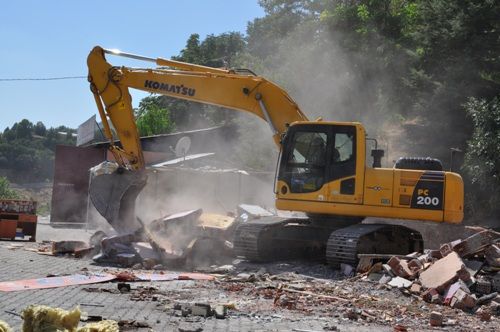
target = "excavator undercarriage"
x: 277, y: 238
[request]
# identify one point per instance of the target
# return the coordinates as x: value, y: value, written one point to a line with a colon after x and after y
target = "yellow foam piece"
x: 4, y: 327
x: 102, y: 326
x: 40, y: 318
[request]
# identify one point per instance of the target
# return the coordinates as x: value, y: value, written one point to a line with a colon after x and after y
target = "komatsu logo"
x: 178, y: 89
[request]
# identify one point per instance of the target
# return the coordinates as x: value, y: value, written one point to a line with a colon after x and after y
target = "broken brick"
x: 432, y: 296
x: 415, y: 265
x: 436, y: 319
x: 415, y: 288
x: 474, y: 243
x: 65, y: 247
x: 201, y: 309
x: 462, y: 300
x: 444, y: 272
x: 400, y: 267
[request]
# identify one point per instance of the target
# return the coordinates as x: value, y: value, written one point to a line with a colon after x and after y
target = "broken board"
x: 54, y: 282
x: 173, y: 276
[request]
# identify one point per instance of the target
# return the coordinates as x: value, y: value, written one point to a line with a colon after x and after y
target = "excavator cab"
x: 315, y: 156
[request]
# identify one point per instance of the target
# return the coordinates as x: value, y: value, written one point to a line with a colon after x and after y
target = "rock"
x: 220, y: 311
x: 400, y: 282
x: 351, y: 314
x: 123, y: 287
x: 148, y: 263
x: 201, y: 309
x: 484, y: 314
x: 159, y: 267
x: 415, y: 288
x: 385, y: 279
x: 388, y: 270
x: 375, y: 276
x: 347, y: 269
x: 444, y: 272
x: 436, y: 319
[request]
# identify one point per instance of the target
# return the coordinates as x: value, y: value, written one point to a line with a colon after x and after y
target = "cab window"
x: 306, y: 162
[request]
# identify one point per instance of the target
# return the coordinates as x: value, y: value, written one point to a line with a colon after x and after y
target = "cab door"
x: 344, y: 186
x: 304, y: 163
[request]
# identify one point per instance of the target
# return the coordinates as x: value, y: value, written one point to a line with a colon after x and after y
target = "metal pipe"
x: 263, y: 108
x: 129, y: 55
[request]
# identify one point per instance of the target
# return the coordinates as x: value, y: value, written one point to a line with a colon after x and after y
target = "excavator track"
x: 342, y: 246
x: 275, y: 238
x: 345, y: 244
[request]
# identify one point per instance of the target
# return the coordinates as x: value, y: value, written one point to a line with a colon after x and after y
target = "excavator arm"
x: 232, y: 89
x: 219, y: 87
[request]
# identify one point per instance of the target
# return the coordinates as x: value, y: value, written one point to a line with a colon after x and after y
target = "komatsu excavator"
x: 322, y: 170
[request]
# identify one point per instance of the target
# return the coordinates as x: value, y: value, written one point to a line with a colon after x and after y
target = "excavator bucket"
x: 114, y: 196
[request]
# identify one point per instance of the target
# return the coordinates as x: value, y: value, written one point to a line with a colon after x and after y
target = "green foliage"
x: 214, y: 51
x: 152, y: 119
x: 27, y: 150
x: 482, y: 159
x: 5, y: 191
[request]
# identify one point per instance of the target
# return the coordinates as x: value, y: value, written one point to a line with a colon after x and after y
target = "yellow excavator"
x: 322, y: 169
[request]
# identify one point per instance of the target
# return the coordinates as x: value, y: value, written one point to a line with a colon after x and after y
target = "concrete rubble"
x: 463, y: 275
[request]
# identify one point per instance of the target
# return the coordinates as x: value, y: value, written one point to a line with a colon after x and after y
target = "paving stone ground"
x: 16, y: 264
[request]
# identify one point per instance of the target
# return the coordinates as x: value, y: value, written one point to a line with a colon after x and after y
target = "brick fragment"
x: 400, y: 268
x: 436, y: 319
x: 462, y: 300
x: 444, y: 272
x: 474, y: 243
x: 415, y: 288
x: 432, y: 296
x: 201, y: 309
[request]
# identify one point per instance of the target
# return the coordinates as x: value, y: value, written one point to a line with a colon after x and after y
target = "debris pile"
x: 463, y: 274
x: 187, y: 238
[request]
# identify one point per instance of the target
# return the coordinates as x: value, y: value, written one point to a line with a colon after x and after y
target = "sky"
x: 52, y: 38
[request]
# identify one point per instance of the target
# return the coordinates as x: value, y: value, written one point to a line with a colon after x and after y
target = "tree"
x: 5, y: 191
x: 40, y: 129
x: 482, y: 158
x: 24, y: 129
x: 152, y: 119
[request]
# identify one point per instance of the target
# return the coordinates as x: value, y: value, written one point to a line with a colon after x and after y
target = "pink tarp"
x: 53, y: 282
